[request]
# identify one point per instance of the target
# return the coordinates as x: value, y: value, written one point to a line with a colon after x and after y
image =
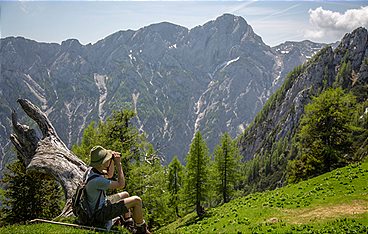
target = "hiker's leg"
x: 124, y: 195
x: 113, y: 208
x: 118, y: 198
x: 135, y: 203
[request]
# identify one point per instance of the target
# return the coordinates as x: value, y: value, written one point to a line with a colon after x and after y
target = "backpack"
x: 80, y: 205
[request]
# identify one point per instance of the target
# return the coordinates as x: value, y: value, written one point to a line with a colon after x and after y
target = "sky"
x: 90, y: 21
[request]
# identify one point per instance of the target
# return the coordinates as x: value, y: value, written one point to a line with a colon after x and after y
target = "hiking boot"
x: 128, y: 224
x: 141, y: 229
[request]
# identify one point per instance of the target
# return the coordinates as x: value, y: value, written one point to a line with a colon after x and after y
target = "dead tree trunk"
x: 49, y: 154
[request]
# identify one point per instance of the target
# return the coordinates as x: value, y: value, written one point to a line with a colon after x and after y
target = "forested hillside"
x: 332, y: 88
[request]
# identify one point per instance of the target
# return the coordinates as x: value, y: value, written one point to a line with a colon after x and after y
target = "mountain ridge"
x: 279, y: 119
x: 209, y: 77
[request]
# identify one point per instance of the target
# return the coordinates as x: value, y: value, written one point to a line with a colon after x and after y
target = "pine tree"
x: 175, y: 182
x: 116, y: 133
x: 144, y: 174
x: 227, y: 161
x: 197, y: 173
x: 149, y: 182
x: 29, y: 195
x: 325, y: 136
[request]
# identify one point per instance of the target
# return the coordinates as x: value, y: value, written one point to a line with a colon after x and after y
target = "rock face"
x: 279, y: 119
x: 292, y: 54
x: 213, y: 78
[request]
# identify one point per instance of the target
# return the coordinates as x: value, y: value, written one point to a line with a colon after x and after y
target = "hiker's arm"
x: 121, y: 180
x: 110, y: 170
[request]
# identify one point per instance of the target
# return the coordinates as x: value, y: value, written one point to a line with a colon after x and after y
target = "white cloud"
x: 331, y: 24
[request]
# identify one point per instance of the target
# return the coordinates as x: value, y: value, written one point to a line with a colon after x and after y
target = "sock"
x: 130, y: 219
x: 141, y: 224
x: 125, y: 219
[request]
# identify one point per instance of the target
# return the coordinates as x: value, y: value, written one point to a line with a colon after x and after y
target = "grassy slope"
x: 41, y: 228
x: 336, y: 202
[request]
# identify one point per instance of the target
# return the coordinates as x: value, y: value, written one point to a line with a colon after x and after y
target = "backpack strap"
x: 91, y: 178
x: 88, y: 180
x: 98, y: 202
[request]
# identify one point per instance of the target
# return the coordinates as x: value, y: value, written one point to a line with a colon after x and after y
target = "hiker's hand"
x: 116, y: 156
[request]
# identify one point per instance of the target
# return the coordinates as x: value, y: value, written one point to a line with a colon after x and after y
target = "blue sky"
x: 90, y: 21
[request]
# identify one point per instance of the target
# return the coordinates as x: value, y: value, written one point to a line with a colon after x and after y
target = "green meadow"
x: 336, y: 202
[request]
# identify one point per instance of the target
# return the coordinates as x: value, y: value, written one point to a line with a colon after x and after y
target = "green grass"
x: 336, y: 202
x: 41, y: 228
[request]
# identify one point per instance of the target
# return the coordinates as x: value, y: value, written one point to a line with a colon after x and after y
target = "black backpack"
x: 80, y: 205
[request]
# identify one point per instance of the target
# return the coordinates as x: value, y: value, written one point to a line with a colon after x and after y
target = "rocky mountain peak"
x: 71, y: 43
x: 213, y: 78
x: 356, y: 45
x: 235, y: 28
x: 229, y: 22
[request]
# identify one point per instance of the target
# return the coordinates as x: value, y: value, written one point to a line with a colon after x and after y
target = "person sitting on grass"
x: 122, y: 205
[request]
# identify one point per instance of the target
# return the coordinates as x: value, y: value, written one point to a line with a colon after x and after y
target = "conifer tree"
x: 29, y: 195
x: 197, y: 173
x: 325, y: 135
x: 144, y: 174
x: 227, y: 159
x: 175, y: 182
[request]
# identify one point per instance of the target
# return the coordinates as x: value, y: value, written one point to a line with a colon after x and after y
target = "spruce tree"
x: 227, y: 160
x: 143, y: 172
x: 197, y: 169
x: 175, y: 182
x: 324, y: 140
x: 29, y: 195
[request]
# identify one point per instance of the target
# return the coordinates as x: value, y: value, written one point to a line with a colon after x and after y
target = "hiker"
x: 103, y: 162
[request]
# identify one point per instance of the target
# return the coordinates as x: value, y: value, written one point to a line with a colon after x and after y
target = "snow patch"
x: 166, y: 128
x: 277, y: 68
x: 135, y: 97
x: 135, y: 101
x: 172, y: 46
x: 100, y: 81
x: 132, y: 58
x: 228, y: 123
x: 231, y: 61
x: 37, y: 90
x: 223, y: 66
x: 241, y: 128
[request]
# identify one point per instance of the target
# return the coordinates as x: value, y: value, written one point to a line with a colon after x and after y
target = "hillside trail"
x: 325, y: 212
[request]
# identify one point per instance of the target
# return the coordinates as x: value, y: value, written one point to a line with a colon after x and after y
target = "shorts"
x: 113, y: 208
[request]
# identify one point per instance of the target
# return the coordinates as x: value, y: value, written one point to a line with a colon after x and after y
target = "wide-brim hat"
x: 99, y: 156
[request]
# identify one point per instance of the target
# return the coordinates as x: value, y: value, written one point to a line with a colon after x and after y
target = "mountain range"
x: 214, y: 78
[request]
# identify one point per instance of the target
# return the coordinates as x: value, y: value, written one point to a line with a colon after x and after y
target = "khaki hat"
x: 99, y: 156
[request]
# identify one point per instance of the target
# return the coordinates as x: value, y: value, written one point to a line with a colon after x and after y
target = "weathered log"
x: 47, y: 155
